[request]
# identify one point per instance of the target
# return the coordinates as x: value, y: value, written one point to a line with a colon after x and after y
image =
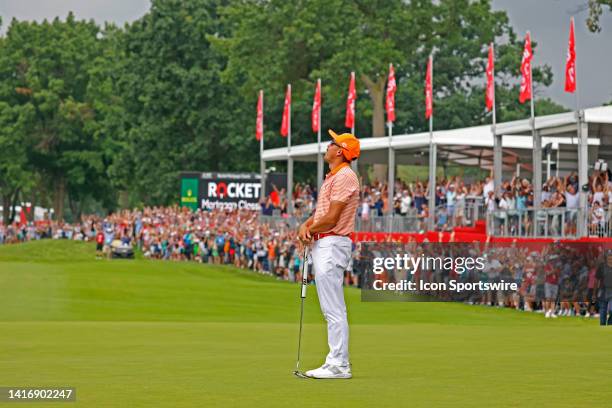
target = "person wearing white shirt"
x: 365, y: 208
x: 405, y: 202
x: 488, y: 186
x: 572, y: 199
x: 460, y: 205
x: 545, y: 194
x: 572, y: 202
x: 506, y: 202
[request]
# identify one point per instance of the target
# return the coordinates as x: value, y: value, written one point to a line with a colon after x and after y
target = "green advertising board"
x: 189, y: 193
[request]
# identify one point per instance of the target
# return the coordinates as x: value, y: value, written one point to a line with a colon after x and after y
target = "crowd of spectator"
x: 246, y: 239
x: 174, y: 233
x: 558, y: 279
x: 561, y: 201
x: 459, y: 202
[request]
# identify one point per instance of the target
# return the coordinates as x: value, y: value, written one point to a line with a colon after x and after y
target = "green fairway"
x: 151, y: 334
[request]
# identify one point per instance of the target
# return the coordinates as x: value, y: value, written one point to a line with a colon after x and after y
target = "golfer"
x: 328, y: 231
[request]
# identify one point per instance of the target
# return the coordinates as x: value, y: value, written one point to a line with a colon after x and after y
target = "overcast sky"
x: 548, y: 21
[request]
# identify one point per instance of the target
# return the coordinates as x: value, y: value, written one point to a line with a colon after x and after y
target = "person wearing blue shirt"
x: 220, y: 242
x: 521, y: 202
x: 378, y: 206
x: 267, y: 207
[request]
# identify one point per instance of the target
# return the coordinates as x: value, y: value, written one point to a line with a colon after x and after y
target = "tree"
x: 15, y: 171
x: 276, y: 42
x: 180, y: 116
x: 595, y: 12
x: 44, y: 73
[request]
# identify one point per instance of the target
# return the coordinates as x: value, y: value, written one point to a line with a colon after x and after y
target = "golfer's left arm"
x: 328, y: 221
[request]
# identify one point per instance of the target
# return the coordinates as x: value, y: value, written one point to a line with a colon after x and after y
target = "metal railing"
x: 559, y: 222
x: 447, y: 217
x: 409, y: 222
x: 598, y: 221
x: 460, y: 214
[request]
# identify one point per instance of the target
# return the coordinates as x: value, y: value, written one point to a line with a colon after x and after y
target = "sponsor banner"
x: 502, y: 274
x: 227, y: 191
x: 189, y: 193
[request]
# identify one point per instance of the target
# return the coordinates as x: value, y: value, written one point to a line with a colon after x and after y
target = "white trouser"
x: 331, y: 256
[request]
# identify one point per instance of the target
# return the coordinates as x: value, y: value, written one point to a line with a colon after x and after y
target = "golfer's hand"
x: 304, y: 234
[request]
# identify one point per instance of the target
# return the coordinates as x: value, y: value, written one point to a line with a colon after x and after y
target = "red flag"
x: 490, y: 93
x: 316, y: 108
x: 22, y: 217
x: 259, y: 121
x: 286, y: 113
x: 390, y: 101
x: 429, y: 89
x: 525, y: 94
x: 570, y: 63
x: 349, y: 121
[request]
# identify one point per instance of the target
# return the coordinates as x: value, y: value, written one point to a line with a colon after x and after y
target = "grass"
x: 160, y: 334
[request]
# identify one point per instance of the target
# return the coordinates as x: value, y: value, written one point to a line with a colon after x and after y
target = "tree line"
x: 98, y: 117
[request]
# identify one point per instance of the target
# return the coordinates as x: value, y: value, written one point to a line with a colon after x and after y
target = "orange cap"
x: 349, y: 144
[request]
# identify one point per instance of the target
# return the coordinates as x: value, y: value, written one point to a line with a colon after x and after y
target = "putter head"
x: 300, y: 374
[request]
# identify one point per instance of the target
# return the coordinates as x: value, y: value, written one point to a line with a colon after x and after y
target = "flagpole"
x: 432, y: 160
x: 262, y: 163
x: 391, y: 172
x: 319, y: 157
x: 289, y: 159
x: 498, y: 165
x: 354, y: 105
x: 391, y: 169
x: 289, y: 120
x: 577, y: 100
x: 354, y: 162
x: 537, y: 144
x: 576, y: 72
x: 583, y: 155
x: 432, y: 176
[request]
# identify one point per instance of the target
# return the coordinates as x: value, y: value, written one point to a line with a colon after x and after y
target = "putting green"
x: 151, y: 334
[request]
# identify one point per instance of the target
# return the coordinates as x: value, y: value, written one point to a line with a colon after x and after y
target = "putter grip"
x: 304, y: 275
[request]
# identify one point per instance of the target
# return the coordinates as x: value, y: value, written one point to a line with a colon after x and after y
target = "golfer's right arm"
x: 303, y: 232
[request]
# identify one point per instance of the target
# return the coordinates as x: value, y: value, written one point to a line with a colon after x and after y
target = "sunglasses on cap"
x: 336, y: 144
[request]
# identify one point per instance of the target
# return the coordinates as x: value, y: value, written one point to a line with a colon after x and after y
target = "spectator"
x: 604, y: 277
x: 551, y: 289
x: 405, y: 202
x: 378, y: 205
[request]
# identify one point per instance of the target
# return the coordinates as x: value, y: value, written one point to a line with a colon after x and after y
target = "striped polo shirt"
x: 341, y: 184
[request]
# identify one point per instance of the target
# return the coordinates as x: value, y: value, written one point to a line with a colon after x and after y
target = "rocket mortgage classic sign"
x: 212, y: 190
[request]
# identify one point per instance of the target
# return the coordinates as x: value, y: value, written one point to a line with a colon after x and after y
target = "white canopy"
x: 473, y: 146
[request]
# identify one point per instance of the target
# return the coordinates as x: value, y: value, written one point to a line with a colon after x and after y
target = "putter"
x: 297, y: 371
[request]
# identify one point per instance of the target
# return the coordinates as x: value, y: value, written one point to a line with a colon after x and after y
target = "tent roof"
x: 473, y: 146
